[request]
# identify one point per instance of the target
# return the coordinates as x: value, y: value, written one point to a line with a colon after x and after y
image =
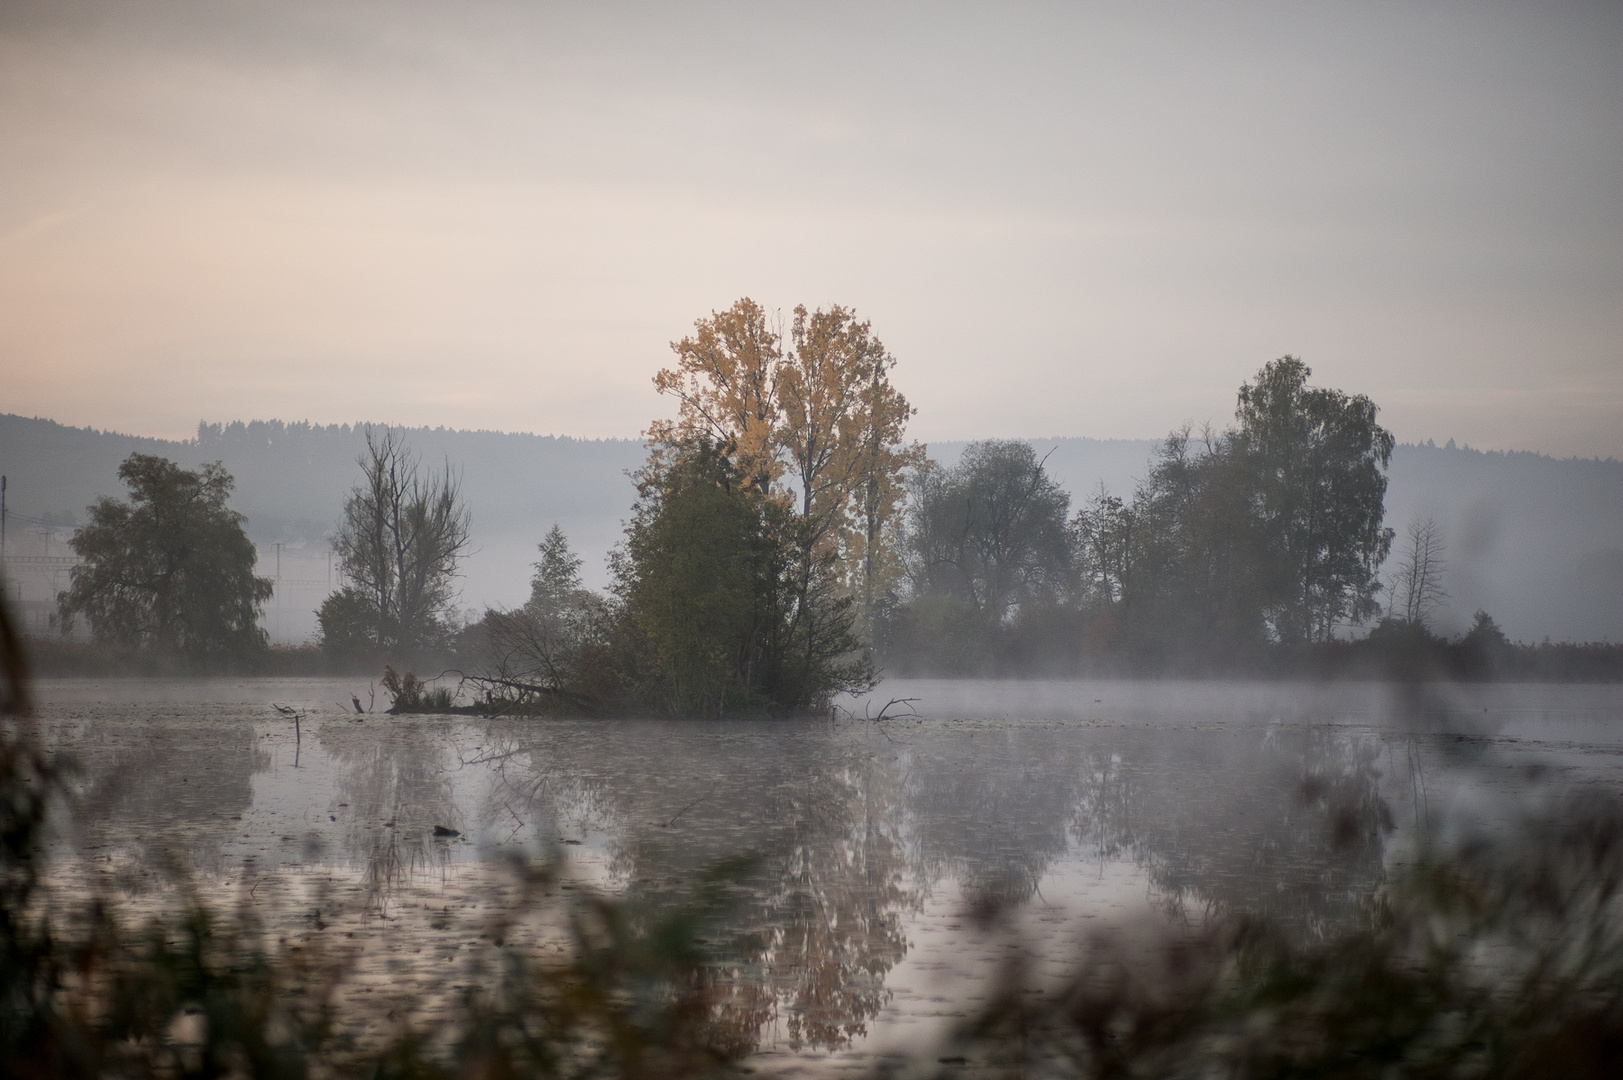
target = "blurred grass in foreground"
x: 1498, y: 960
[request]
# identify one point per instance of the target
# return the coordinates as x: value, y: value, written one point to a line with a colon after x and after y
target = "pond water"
x: 1075, y: 808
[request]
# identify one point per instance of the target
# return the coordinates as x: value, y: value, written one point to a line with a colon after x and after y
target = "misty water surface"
x: 1081, y: 806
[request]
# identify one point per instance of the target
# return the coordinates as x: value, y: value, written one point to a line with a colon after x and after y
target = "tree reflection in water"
x: 852, y: 829
x: 1285, y: 824
x: 991, y: 808
x: 393, y: 788
x: 828, y: 925
x: 816, y: 922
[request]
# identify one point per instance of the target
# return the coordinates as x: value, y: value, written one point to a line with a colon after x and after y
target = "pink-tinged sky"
x: 1068, y: 219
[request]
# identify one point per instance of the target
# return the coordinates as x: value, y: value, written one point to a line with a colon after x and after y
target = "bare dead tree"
x: 403, y: 533
x: 1417, y: 586
x: 527, y: 660
x: 525, y: 650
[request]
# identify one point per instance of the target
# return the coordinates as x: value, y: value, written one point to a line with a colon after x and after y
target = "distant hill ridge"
x: 292, y: 477
x: 1536, y: 540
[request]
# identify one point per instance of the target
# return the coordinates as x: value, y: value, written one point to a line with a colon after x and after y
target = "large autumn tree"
x: 765, y: 531
x: 807, y: 416
x: 171, y: 570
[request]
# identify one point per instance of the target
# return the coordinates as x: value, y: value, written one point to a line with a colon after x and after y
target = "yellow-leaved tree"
x: 809, y: 419
x: 726, y: 380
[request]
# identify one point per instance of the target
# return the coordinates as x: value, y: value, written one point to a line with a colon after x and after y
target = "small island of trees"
x: 761, y: 543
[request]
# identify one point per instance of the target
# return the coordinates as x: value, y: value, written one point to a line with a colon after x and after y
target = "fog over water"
x: 1086, y: 805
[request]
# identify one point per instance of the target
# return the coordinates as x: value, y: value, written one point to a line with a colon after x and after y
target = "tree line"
x: 787, y: 543
x: 1269, y: 532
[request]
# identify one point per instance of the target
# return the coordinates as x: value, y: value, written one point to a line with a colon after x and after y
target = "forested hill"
x: 1535, y: 540
x: 292, y: 478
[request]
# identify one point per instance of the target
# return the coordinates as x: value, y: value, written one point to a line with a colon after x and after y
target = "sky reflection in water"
x: 865, y: 839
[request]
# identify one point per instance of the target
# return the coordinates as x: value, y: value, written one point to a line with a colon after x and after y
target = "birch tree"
x: 725, y: 383
x: 808, y: 418
x: 1316, y: 460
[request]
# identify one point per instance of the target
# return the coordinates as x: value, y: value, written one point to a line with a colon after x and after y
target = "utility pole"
x: 278, y: 590
x: 2, y: 517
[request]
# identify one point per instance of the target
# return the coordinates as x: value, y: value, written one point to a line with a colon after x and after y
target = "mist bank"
x: 1537, y: 541
x: 1376, y: 658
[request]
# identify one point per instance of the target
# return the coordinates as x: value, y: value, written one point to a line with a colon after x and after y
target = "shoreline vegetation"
x: 789, y: 545
x: 1432, y: 659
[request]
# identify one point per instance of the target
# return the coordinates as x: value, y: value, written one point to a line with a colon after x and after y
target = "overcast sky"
x: 1068, y: 219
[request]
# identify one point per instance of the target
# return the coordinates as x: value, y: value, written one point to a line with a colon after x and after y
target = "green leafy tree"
x: 1315, y: 459
x: 715, y: 615
x: 171, y: 570
x: 1105, y: 547
x: 348, y: 625
x: 1271, y: 529
x: 1199, y: 577
x: 990, y: 531
x: 1108, y: 538
x: 989, y: 564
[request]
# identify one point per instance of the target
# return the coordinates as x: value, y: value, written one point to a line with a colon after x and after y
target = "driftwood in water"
x: 494, y: 683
